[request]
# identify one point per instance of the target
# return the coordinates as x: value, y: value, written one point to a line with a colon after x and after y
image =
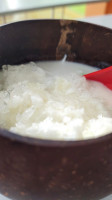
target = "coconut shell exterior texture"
x: 33, y: 169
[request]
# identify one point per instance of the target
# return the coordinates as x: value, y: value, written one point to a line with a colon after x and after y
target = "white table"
x: 105, y: 20
x: 5, y: 198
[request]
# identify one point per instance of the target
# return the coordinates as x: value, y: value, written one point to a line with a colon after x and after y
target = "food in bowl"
x: 52, y: 100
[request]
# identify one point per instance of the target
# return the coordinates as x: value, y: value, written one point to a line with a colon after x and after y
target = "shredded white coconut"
x: 37, y: 103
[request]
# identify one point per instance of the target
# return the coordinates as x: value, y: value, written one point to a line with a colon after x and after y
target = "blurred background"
x: 9, y: 10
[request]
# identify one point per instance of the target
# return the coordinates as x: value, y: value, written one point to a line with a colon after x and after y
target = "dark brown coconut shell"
x: 33, y: 169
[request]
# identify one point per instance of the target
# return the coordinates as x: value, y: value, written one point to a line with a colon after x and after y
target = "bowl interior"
x: 40, y: 40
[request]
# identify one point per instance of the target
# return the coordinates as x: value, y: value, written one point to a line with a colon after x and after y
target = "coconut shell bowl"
x: 35, y: 169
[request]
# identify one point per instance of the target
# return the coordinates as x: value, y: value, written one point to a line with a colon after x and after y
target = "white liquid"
x: 65, y: 68
x: 52, y: 100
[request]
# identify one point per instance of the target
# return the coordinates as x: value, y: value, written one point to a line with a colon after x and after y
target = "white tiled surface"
x: 103, y: 21
x: 5, y: 198
x: 107, y: 198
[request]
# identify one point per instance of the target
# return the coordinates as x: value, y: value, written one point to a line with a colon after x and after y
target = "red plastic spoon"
x: 104, y: 76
